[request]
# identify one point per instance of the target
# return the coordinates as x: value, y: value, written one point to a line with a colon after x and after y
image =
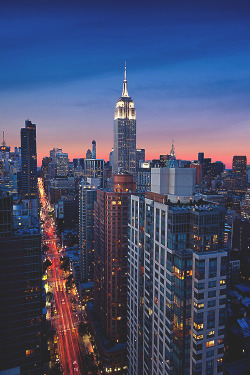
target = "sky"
x: 188, y: 71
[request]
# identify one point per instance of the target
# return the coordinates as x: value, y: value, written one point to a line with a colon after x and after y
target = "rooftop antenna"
x: 125, y: 84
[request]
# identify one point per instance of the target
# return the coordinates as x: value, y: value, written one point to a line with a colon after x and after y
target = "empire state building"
x: 125, y: 133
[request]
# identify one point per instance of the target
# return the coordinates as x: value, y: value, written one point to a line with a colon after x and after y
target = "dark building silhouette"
x: 241, y: 241
x: 29, y: 167
x: 21, y: 296
x: 239, y: 171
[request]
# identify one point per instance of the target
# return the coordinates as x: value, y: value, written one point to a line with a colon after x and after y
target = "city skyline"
x: 194, y: 90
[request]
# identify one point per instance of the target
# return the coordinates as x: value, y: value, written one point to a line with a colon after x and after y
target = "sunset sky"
x: 188, y: 70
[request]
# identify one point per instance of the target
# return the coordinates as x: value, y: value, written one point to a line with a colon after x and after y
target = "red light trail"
x: 69, y: 349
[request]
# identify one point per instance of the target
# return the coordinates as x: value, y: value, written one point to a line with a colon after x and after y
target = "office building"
x: 87, y: 198
x: 177, y: 277
x: 29, y: 167
x: 94, y: 168
x: 21, y: 313
x: 110, y: 281
x: 125, y: 133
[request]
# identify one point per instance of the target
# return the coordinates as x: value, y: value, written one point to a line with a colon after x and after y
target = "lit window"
x: 210, y: 343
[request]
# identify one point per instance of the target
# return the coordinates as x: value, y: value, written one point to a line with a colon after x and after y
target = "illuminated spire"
x: 125, y: 83
x: 3, y: 143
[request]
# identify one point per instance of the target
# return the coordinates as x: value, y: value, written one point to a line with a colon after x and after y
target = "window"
x: 210, y: 334
x: 212, y: 267
x: 210, y: 343
x: 220, y: 341
x: 212, y: 293
x: 210, y: 353
x: 212, y: 284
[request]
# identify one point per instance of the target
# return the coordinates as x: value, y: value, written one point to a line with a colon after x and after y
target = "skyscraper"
x: 177, y: 276
x: 21, y: 313
x: 87, y: 198
x: 110, y: 282
x: 239, y: 168
x: 29, y: 167
x: 125, y: 133
x: 93, y: 149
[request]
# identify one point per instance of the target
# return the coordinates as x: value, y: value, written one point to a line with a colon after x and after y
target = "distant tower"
x: 29, y: 167
x: 88, y: 154
x: 125, y: 133
x: 93, y: 149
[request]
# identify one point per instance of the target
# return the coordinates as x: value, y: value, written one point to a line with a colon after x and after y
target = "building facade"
x: 94, y: 168
x: 125, y: 133
x: 21, y: 313
x: 177, y: 277
x: 87, y: 198
x: 110, y: 281
x: 29, y: 167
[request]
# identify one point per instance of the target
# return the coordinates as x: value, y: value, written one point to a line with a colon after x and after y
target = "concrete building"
x: 125, y: 133
x: 173, y: 181
x: 177, y: 277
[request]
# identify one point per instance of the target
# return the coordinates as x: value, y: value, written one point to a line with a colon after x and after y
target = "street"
x: 65, y: 320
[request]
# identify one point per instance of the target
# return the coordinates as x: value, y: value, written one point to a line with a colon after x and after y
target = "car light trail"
x: 69, y: 349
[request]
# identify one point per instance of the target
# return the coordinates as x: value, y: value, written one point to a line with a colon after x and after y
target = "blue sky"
x: 188, y: 72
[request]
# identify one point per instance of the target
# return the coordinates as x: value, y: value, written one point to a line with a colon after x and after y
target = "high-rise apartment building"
x: 110, y: 281
x: 21, y: 313
x: 29, y: 167
x: 87, y: 198
x: 125, y: 133
x: 177, y: 277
